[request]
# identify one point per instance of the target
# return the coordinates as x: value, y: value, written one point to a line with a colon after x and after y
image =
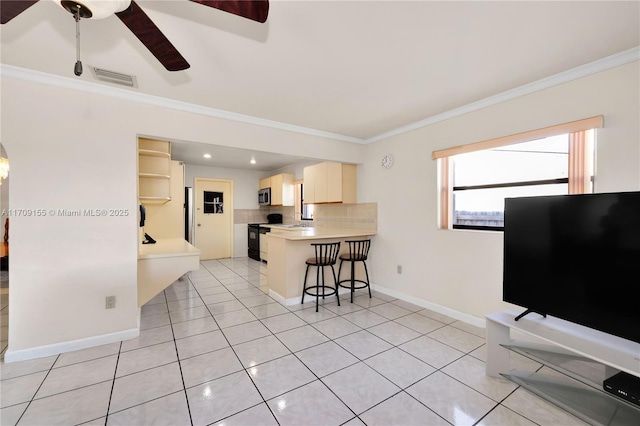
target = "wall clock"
x: 387, y: 161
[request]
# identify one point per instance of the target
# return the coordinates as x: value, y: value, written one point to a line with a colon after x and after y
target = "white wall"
x: 462, y: 270
x: 62, y: 268
x: 74, y: 149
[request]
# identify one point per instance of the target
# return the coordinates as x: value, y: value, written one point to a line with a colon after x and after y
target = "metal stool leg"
x: 335, y: 280
x: 353, y: 279
x: 304, y: 287
x: 367, y: 274
x: 317, y: 283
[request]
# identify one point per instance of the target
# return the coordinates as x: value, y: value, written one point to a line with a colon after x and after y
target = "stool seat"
x: 320, y: 262
x: 358, y: 252
x: 326, y: 254
x: 353, y: 257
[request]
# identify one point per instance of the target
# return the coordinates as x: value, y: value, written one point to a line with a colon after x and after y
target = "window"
x: 305, y: 211
x: 212, y: 202
x: 475, y: 179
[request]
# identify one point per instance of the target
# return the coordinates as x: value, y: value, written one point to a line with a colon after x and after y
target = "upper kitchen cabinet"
x: 330, y: 182
x: 264, y: 183
x: 282, y: 190
x: 154, y: 170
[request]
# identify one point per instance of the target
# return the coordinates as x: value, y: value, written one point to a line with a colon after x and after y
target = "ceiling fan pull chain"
x: 77, y: 69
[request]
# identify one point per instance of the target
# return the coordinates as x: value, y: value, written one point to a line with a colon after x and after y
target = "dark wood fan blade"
x: 9, y: 9
x: 143, y: 27
x: 256, y: 10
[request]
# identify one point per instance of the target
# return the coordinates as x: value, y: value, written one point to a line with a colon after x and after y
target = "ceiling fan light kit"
x: 94, y: 9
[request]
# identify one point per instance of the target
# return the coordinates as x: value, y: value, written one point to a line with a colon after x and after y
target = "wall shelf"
x: 154, y: 200
x: 154, y: 170
x: 153, y: 176
x: 154, y: 153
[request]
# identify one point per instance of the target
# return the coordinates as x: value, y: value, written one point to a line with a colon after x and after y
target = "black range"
x: 254, y: 231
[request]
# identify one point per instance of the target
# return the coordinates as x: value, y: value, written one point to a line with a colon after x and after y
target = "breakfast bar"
x: 289, y: 248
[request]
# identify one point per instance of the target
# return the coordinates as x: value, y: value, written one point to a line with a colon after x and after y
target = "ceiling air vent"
x: 115, y: 77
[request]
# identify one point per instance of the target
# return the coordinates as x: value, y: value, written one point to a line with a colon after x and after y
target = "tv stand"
x: 585, y: 355
x: 529, y: 311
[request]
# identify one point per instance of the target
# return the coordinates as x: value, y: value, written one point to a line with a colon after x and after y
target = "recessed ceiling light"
x: 207, y: 155
x: 253, y: 160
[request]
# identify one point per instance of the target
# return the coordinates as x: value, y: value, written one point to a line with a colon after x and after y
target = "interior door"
x: 214, y: 218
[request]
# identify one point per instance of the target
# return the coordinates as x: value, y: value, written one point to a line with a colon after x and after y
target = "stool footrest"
x: 348, y: 285
x: 331, y: 290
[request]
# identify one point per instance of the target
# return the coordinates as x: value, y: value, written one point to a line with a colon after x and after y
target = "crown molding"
x: 608, y: 62
x: 618, y: 59
x: 39, y: 77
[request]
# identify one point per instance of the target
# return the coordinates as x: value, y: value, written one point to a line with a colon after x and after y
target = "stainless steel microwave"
x: 264, y: 197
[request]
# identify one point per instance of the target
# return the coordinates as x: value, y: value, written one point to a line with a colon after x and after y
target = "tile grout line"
x: 235, y: 353
x: 37, y: 390
x: 329, y: 340
x: 113, y: 385
x: 299, y: 360
x: 337, y: 315
x: 175, y: 345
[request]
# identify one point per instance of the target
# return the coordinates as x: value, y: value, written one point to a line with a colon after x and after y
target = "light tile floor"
x: 215, y: 349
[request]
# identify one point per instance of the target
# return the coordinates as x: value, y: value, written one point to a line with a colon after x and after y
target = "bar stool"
x: 358, y: 252
x: 326, y: 255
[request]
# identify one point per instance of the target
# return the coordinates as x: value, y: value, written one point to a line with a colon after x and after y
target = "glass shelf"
x: 583, y: 401
x: 575, y: 366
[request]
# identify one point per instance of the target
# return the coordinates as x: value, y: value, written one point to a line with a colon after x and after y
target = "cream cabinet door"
x: 264, y: 183
x: 334, y: 182
x: 276, y: 190
x: 308, y: 188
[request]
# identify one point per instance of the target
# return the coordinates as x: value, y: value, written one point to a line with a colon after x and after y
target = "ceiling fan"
x: 130, y: 13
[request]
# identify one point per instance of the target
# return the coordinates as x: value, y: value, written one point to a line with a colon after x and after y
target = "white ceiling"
x: 352, y: 68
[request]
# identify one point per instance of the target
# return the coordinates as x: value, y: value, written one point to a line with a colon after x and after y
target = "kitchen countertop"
x: 315, y: 233
x: 167, y: 247
x: 160, y: 264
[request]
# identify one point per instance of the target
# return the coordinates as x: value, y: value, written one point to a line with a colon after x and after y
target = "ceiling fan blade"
x: 256, y: 10
x: 9, y: 9
x: 150, y: 35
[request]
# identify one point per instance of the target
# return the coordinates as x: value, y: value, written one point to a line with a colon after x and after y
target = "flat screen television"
x: 576, y: 257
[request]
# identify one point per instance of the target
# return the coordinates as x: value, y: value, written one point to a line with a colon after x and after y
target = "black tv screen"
x: 576, y: 257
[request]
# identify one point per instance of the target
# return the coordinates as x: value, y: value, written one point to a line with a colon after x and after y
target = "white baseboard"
x: 297, y: 300
x: 278, y: 297
x: 469, y: 319
x: 74, y: 345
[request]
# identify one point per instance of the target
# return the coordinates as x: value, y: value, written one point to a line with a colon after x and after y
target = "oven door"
x: 254, y: 241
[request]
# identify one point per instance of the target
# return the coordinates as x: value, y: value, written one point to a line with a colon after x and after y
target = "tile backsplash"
x: 354, y: 216
x: 250, y: 216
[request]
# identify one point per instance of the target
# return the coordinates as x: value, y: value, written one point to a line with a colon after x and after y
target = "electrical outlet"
x: 399, y: 269
x: 110, y: 302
